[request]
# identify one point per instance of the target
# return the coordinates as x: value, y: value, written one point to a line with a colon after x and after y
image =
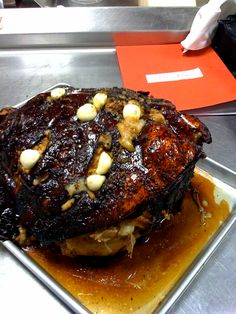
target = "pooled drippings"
x: 120, y: 284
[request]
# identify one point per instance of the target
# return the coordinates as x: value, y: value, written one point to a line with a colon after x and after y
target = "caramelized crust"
x: 152, y: 177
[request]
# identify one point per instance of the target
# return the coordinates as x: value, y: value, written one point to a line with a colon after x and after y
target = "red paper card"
x: 217, y: 85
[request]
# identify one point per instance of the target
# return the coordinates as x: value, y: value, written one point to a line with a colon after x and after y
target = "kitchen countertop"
x: 103, y: 3
x: 26, y: 71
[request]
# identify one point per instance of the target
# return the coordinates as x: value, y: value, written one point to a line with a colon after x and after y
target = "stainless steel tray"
x: 225, y: 181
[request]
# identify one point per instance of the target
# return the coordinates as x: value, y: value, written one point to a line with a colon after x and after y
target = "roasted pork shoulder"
x: 91, y: 170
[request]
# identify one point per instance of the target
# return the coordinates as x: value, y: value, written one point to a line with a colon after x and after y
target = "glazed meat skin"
x: 52, y: 201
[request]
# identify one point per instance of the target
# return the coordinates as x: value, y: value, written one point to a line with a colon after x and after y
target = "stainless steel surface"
x: 218, y: 170
x: 48, y: 281
x: 74, y: 3
x: 30, y: 71
x: 46, y: 3
x: 25, y: 72
x: 226, y: 109
x: 21, y: 292
x: 223, y: 147
x: 93, y: 27
x: 215, y: 114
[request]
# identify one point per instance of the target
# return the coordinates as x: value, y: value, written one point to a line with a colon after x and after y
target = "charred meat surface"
x: 66, y: 172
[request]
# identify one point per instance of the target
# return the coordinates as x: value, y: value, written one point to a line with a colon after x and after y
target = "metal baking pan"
x: 225, y: 181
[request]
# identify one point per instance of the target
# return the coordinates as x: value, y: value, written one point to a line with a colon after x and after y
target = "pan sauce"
x: 120, y: 284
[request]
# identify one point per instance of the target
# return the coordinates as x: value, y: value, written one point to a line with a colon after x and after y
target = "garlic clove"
x: 95, y: 181
x: 131, y: 112
x: 29, y: 157
x: 58, y: 92
x: 99, y: 100
x: 104, y: 163
x: 67, y: 205
x: 87, y: 112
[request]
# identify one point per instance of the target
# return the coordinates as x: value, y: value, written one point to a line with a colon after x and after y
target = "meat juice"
x: 139, y: 284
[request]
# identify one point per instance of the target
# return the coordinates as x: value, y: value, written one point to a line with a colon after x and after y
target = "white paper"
x: 174, y: 76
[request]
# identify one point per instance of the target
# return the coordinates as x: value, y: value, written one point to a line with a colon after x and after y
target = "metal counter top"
x: 25, y: 72
x: 93, y: 27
